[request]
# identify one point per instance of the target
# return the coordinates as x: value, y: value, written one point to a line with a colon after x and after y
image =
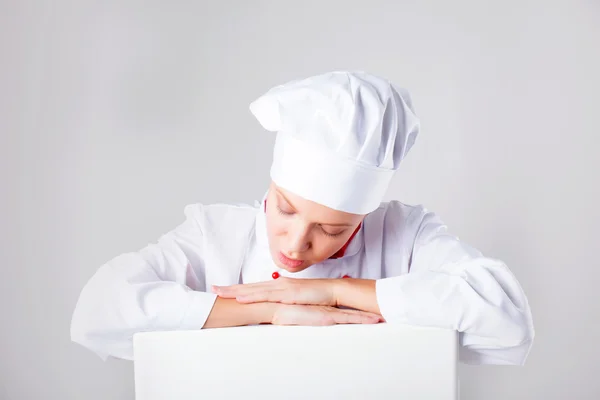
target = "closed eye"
x: 280, y: 211
x: 331, y: 234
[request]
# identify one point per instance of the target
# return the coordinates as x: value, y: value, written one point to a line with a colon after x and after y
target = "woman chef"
x: 340, y: 138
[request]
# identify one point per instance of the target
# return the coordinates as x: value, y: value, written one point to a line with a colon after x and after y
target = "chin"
x: 290, y: 269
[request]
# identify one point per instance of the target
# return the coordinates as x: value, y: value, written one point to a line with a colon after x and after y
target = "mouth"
x: 289, y: 262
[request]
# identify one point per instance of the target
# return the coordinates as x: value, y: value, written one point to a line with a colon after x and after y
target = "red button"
x: 346, y: 276
x: 275, y: 275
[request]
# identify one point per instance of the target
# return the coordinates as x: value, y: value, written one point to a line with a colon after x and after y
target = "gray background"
x: 114, y: 115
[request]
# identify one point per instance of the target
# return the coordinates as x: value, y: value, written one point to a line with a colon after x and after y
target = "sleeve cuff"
x: 507, y: 356
x: 390, y: 299
x: 414, y: 299
x: 198, y: 310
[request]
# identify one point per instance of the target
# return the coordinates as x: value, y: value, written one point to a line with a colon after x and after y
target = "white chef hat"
x: 340, y: 137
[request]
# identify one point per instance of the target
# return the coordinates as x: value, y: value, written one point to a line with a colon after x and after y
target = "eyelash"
x: 280, y: 211
x: 332, y: 235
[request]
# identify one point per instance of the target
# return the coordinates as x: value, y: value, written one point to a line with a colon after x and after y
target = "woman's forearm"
x: 359, y: 294
x: 228, y: 312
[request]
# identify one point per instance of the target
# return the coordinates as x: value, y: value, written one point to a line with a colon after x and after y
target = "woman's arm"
x: 228, y: 312
x: 359, y: 294
x: 153, y: 289
x: 452, y: 285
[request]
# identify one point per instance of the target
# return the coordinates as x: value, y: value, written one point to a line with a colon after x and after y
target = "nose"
x: 298, y: 239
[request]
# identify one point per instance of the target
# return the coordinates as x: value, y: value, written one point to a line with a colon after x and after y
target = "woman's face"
x: 302, y: 233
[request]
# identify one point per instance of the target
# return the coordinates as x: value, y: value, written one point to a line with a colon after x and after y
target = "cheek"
x: 276, y: 226
x: 324, y: 247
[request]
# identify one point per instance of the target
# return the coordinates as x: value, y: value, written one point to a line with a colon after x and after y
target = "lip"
x: 288, y: 262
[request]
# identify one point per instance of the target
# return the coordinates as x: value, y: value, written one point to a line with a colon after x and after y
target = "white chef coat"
x: 424, y: 276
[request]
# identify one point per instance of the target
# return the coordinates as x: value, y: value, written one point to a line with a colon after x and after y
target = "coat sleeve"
x: 452, y: 285
x: 155, y: 288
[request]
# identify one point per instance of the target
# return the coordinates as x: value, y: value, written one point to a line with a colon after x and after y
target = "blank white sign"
x: 266, y: 362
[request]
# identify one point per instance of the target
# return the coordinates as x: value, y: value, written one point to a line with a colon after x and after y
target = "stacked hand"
x: 299, y: 301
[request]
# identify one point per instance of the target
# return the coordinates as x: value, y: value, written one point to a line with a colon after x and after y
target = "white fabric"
x: 425, y: 277
x: 341, y: 136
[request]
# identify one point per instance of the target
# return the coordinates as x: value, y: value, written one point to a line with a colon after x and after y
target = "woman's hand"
x: 286, y: 314
x: 283, y: 290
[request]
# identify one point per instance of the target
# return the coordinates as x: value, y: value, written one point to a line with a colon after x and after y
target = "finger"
x: 235, y: 290
x: 271, y: 296
x: 355, y: 318
x: 234, y: 295
x: 277, y: 281
x: 244, y: 288
x: 238, y: 286
x: 351, y: 311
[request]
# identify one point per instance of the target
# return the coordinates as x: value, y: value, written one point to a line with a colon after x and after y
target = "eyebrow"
x: 291, y: 205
